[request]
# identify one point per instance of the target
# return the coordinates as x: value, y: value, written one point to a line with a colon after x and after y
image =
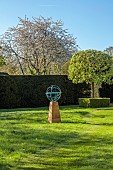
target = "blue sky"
x: 91, y: 21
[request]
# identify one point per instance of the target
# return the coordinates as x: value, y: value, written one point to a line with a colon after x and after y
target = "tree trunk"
x: 92, y: 90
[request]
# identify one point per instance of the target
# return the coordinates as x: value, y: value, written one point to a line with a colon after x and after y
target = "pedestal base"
x: 54, y: 113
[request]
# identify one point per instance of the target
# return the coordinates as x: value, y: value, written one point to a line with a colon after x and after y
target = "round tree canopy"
x: 91, y: 66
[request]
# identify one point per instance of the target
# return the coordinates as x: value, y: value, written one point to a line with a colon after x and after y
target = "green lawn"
x: 83, y: 141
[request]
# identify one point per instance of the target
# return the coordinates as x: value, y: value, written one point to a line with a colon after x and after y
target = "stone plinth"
x: 54, y: 113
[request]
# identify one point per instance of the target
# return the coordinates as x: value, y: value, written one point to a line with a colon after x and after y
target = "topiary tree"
x: 91, y: 66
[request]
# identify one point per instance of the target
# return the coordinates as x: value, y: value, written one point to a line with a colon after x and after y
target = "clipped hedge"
x: 106, y: 91
x: 94, y: 102
x: 29, y: 91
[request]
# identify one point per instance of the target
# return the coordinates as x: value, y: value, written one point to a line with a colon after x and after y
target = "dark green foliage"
x: 3, y: 74
x: 29, y: 91
x: 94, y: 102
x: 106, y: 91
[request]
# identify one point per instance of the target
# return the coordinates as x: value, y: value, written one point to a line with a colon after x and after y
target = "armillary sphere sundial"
x: 53, y: 94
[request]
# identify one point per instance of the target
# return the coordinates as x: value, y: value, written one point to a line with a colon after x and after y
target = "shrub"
x: 94, y: 102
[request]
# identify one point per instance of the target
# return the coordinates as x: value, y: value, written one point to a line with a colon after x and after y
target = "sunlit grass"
x: 82, y: 141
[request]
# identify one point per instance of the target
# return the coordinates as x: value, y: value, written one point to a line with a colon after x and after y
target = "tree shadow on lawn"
x: 82, y: 113
x: 33, y: 116
x: 105, y: 108
x: 69, y: 107
x: 46, y: 145
x: 99, y: 156
x: 5, y: 166
x: 31, y: 168
x: 42, y: 118
x: 74, y: 117
x: 23, y: 109
x: 69, y: 145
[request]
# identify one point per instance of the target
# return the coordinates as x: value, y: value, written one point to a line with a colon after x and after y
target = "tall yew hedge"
x: 29, y: 91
